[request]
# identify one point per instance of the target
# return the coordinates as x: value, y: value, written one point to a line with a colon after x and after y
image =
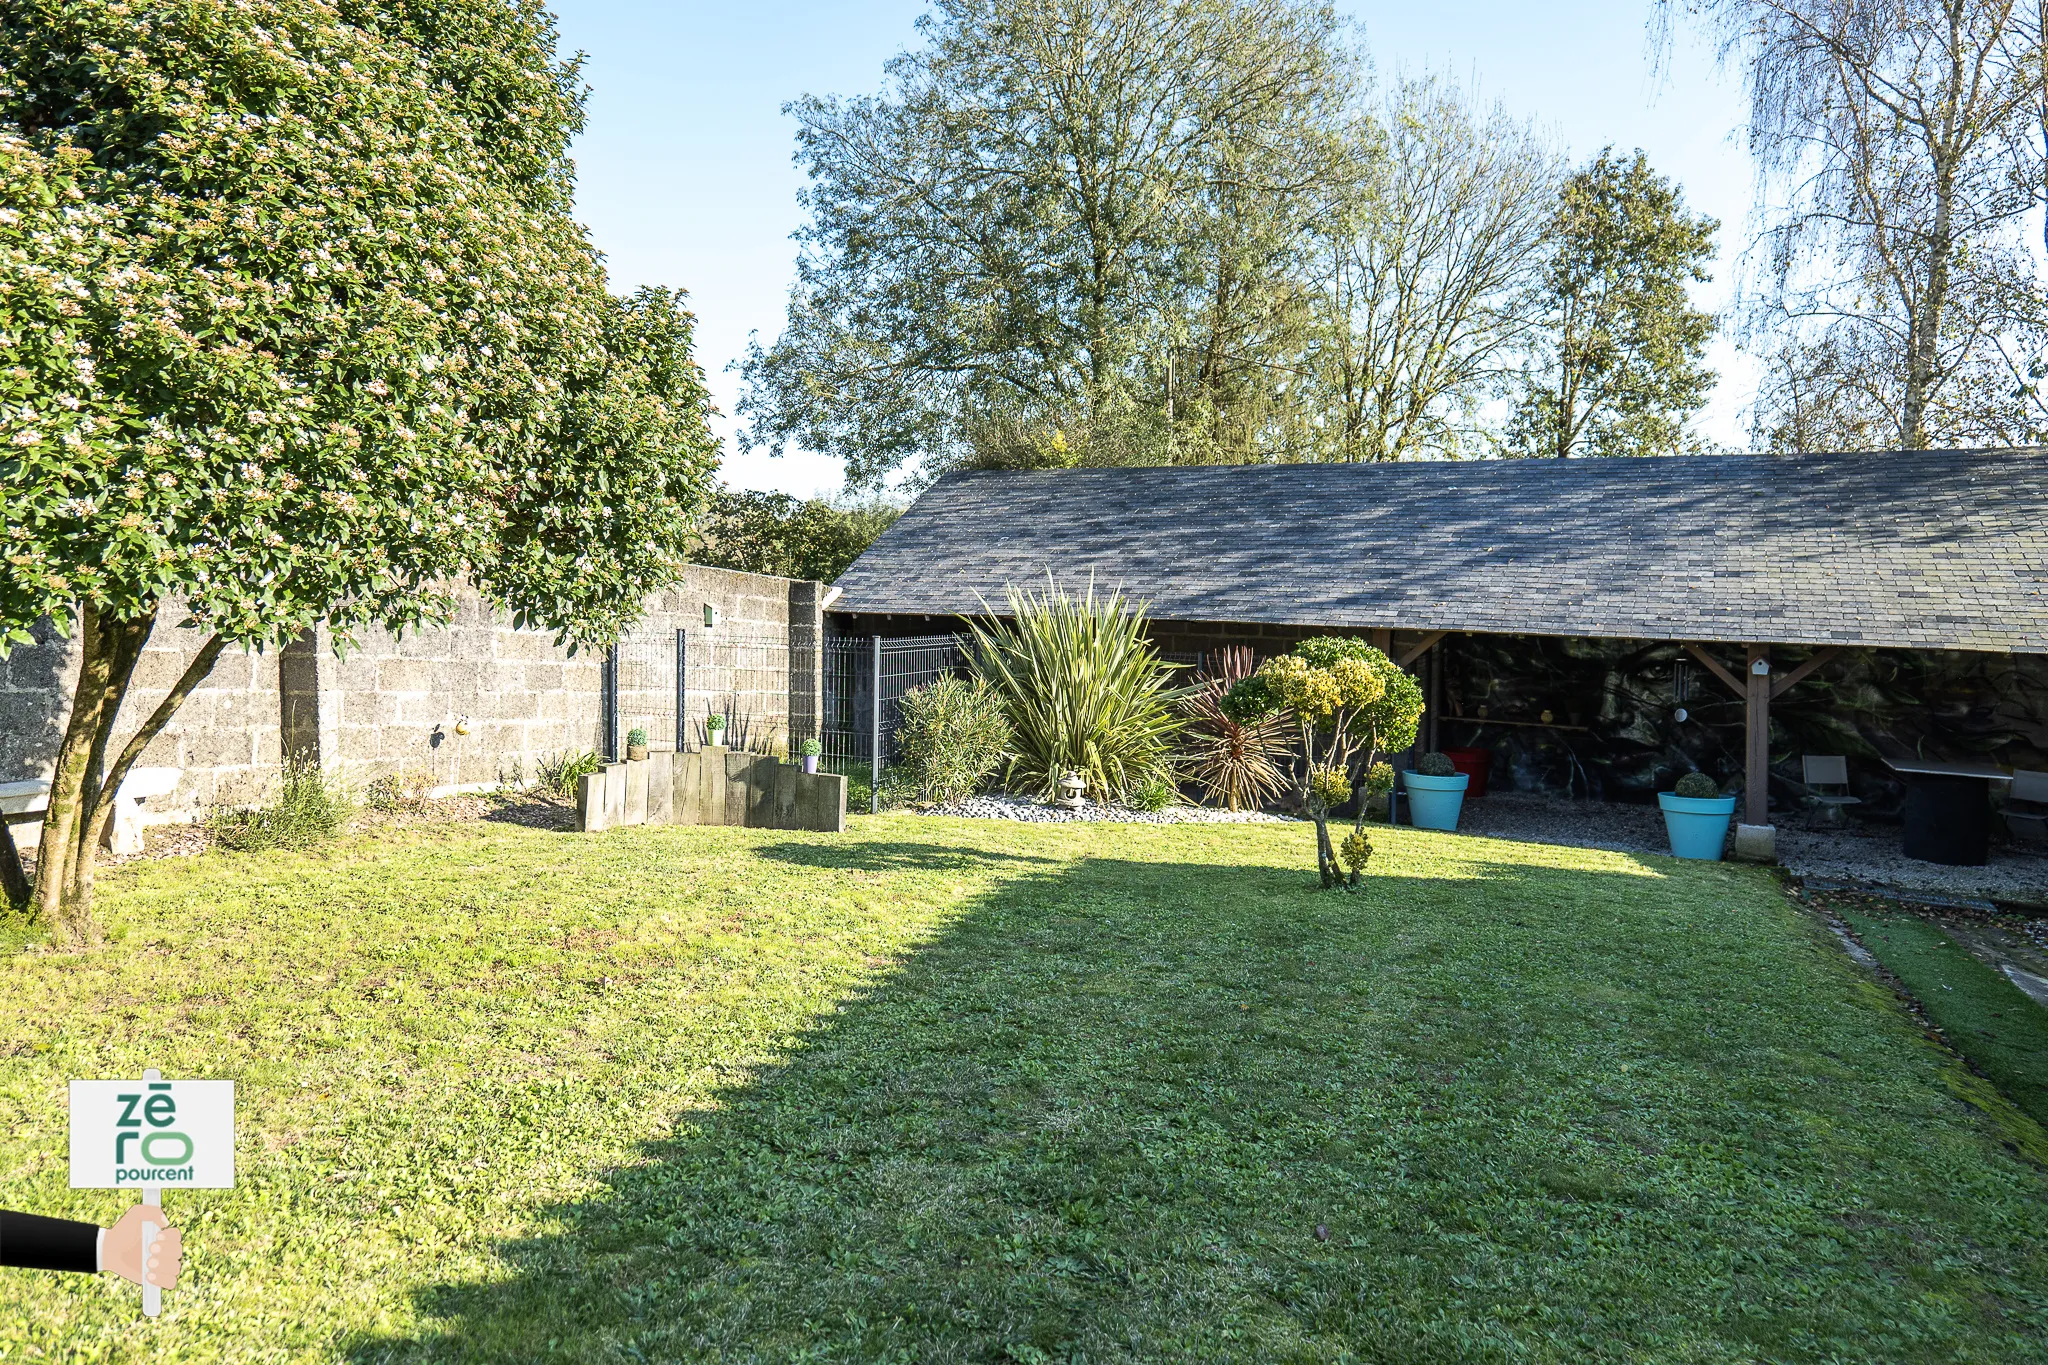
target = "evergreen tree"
x: 1622, y: 362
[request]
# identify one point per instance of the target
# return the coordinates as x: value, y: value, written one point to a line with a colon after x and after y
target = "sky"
x: 685, y: 177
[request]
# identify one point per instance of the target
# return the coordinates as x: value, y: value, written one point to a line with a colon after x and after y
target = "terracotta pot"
x: 636, y: 753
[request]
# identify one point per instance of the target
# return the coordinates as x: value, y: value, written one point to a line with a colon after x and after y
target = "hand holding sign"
x: 124, y: 1254
x: 151, y: 1133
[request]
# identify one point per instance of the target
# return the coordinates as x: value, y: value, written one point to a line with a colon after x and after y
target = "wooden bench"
x: 23, y: 803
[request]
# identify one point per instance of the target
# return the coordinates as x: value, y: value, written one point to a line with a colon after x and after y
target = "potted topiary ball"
x: 810, y: 750
x: 1436, y: 792
x: 1696, y: 817
x: 714, y: 731
x: 636, y: 744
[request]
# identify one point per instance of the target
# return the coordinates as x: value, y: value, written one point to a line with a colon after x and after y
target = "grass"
x: 1984, y: 1016
x: 950, y: 1091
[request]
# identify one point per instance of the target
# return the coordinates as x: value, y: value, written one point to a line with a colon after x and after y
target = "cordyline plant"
x: 296, y: 327
x: 1350, y: 704
x: 1234, y: 761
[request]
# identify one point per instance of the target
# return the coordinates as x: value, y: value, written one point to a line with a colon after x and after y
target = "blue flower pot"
x: 1698, y: 825
x: 1434, y: 802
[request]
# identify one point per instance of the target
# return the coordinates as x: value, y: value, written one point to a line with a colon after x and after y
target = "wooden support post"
x: 1383, y: 641
x: 1756, y: 776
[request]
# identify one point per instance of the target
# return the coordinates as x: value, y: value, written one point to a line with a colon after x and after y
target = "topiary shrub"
x: 636, y: 736
x: 1348, y: 703
x: 953, y: 733
x: 1696, y: 787
x: 1433, y: 764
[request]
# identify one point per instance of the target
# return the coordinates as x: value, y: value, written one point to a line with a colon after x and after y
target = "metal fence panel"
x: 742, y: 676
x: 645, y: 669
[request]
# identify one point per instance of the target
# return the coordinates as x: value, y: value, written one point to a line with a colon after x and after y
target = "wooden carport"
x: 1735, y: 559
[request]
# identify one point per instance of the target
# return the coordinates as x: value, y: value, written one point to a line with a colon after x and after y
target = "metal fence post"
x: 611, y: 704
x: 682, y: 692
x: 875, y: 776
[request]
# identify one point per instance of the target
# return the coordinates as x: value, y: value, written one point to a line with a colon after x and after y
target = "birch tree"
x: 1896, y: 297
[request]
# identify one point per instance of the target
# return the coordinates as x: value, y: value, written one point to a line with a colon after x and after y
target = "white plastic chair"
x: 1827, y: 781
x: 2026, y: 806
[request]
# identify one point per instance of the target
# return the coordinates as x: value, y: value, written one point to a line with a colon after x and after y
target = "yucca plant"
x: 1084, y: 690
x: 1235, y: 762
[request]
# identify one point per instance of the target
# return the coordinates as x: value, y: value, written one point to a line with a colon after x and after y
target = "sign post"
x: 152, y: 1133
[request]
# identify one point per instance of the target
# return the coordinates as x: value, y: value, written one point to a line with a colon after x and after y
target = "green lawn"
x: 1986, y: 1017
x: 952, y: 1091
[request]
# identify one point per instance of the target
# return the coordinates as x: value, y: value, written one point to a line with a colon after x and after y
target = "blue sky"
x: 685, y: 176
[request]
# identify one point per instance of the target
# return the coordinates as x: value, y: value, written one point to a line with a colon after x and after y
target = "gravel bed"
x: 1868, y: 857
x: 1018, y: 808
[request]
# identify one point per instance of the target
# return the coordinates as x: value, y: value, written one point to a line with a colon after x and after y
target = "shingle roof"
x: 1921, y: 549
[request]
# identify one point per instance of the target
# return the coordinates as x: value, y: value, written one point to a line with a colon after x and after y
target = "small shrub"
x: 1154, y: 794
x: 559, y: 772
x: 636, y: 736
x: 403, y: 789
x: 952, y: 736
x: 1433, y: 764
x: 309, y: 808
x: 811, y: 748
x: 1329, y: 785
x: 1356, y: 850
x: 1696, y: 787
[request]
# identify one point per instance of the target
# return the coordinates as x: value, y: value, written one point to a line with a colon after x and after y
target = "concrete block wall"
x: 390, y: 703
x: 226, y: 737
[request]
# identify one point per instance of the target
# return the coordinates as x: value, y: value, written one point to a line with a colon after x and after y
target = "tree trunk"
x: 15, y: 890
x: 89, y: 848
x: 1326, y: 856
x: 83, y: 790
x: 57, y: 852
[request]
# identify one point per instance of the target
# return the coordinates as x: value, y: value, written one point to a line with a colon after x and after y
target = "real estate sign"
x: 152, y: 1133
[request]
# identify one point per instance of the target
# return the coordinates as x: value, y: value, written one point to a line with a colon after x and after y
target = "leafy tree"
x: 1623, y: 350
x: 1069, y: 231
x: 1899, y: 299
x: 1428, y: 278
x: 1349, y: 704
x: 774, y: 533
x: 296, y: 326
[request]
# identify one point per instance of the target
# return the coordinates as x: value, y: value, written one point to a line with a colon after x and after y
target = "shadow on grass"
x: 1133, y: 1110
x: 898, y: 856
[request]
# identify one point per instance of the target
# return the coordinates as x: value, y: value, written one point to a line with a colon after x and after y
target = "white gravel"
x: 1018, y: 808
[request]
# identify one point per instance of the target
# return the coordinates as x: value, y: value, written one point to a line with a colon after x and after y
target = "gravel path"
x: 1017, y: 808
x: 1866, y: 857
